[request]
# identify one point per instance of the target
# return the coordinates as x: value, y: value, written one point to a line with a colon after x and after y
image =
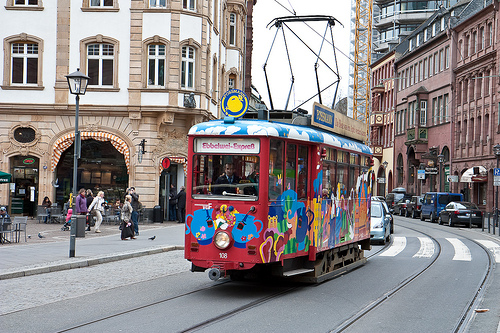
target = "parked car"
x: 414, y: 207
x: 434, y: 203
x: 461, y: 213
x: 393, y: 197
x: 380, y: 224
x: 400, y: 206
x: 387, y: 211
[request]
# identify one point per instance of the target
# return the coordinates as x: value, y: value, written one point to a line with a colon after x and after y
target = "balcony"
x: 412, y: 138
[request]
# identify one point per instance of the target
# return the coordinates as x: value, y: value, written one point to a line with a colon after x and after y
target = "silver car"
x: 380, y: 225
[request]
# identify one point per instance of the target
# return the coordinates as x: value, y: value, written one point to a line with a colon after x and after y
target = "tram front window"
x: 234, y: 176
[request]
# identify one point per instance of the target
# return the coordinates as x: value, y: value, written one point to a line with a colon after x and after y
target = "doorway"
x: 24, y: 195
x: 168, y: 188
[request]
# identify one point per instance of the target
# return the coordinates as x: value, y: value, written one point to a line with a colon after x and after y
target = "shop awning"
x: 5, y: 177
x: 66, y: 141
x: 468, y: 175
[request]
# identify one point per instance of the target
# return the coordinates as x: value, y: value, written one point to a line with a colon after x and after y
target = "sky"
x: 302, y: 59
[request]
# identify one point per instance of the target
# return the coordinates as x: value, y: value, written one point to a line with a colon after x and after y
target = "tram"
x: 275, y: 198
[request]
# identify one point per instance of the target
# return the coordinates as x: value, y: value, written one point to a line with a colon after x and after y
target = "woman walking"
x: 98, y: 205
x: 126, y: 225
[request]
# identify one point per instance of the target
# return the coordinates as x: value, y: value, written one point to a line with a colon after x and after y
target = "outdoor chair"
x: 41, y: 213
x: 5, y: 228
x: 19, y: 225
x: 56, y: 215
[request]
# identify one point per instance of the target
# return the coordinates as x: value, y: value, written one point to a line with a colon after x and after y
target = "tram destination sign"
x: 227, y: 146
x: 333, y: 121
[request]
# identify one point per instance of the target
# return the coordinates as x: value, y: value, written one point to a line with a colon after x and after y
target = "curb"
x: 79, y: 263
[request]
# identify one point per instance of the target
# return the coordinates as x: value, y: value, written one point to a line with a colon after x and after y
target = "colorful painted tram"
x: 273, y: 198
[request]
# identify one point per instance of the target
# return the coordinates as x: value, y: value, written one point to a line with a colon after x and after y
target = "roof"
x: 250, y: 127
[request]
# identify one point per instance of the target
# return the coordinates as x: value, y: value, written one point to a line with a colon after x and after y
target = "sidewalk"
x: 51, y: 253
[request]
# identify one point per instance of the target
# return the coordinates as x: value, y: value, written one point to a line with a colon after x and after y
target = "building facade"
x: 383, y: 97
x: 156, y: 68
x: 422, y: 116
x: 476, y: 119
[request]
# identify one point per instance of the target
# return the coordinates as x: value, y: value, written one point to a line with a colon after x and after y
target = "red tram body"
x: 268, y: 197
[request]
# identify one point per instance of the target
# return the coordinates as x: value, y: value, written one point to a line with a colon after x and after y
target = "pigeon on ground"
x: 29, y: 236
x: 152, y: 238
x: 40, y: 235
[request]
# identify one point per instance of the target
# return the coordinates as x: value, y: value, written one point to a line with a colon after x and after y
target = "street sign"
x: 452, y: 179
x: 495, y: 183
x: 381, y: 180
x: 420, y: 174
x: 496, y: 172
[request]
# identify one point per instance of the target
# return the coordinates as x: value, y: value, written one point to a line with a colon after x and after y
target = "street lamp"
x: 77, y: 82
x: 441, y: 161
x: 496, y: 150
x: 385, y: 176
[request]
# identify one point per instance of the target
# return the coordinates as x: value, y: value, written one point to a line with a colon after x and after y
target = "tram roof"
x: 252, y: 127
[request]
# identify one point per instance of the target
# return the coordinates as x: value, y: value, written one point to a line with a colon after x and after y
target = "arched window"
x: 190, y: 69
x: 23, y: 62
x: 232, y: 29
x: 100, y: 60
x: 187, y: 67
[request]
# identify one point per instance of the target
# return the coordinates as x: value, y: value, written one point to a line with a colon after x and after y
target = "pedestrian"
x: 126, y: 214
x: 98, y: 204
x: 172, y: 204
x: 3, y: 213
x: 181, y: 205
x: 81, y: 206
x: 89, y: 197
x: 47, y: 204
x: 135, y: 205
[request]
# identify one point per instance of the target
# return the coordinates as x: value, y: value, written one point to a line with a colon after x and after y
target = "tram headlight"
x: 222, y: 240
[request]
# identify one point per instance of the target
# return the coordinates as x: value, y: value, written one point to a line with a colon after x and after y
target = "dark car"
x: 400, y: 206
x: 392, y: 198
x: 414, y: 207
x: 462, y: 212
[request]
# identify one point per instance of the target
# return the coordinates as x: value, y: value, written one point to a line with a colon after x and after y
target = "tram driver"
x: 230, y: 178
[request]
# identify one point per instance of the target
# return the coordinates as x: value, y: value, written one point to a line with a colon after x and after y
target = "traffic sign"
x: 496, y: 183
x: 420, y: 174
x: 496, y: 172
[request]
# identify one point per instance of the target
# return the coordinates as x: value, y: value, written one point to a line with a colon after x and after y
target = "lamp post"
x: 496, y: 150
x: 385, y: 177
x: 441, y: 161
x: 77, y: 83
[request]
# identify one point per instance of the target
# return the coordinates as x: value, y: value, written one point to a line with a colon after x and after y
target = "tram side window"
x: 275, y: 169
x: 291, y: 164
x: 329, y: 176
x: 303, y: 171
x: 225, y: 175
x: 342, y: 180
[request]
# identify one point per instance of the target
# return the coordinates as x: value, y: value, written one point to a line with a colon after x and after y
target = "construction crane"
x: 362, y: 59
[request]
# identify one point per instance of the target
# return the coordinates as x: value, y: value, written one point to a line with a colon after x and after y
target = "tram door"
x: 167, y: 179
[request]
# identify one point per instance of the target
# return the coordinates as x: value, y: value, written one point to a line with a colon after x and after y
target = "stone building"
x: 156, y: 67
x: 476, y: 119
x: 383, y: 97
x: 422, y: 116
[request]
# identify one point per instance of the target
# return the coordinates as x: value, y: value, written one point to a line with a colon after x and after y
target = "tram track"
x: 462, y: 323
x: 468, y: 312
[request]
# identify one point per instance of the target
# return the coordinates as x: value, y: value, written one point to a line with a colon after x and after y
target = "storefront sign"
x: 29, y: 160
x: 336, y: 122
x: 227, y: 146
x: 165, y: 163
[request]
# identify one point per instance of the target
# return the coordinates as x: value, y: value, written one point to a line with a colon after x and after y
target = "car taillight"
x: 456, y: 212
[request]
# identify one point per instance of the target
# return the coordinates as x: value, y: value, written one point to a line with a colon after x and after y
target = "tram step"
x: 298, y: 271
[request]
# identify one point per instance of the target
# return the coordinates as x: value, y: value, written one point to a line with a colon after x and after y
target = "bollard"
x: 470, y: 220
x: 489, y: 222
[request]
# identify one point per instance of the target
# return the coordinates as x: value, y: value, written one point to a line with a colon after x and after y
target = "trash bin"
x: 81, y: 221
x: 157, y: 214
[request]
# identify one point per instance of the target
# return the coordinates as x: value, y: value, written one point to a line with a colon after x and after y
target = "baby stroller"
x: 66, y: 225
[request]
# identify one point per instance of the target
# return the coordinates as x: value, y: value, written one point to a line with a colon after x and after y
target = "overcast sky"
x: 302, y: 59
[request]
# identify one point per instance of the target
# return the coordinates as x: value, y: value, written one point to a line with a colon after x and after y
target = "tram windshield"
x: 235, y: 176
